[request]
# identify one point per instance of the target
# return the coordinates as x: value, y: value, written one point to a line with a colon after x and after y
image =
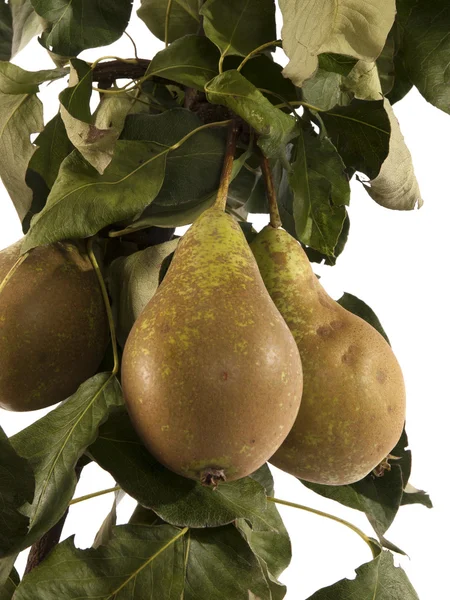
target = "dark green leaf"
x: 20, y: 116
x: 9, y: 587
x: 26, y: 24
x: 274, y: 127
x: 133, y: 280
x: 193, y: 170
x: 318, y: 257
x: 265, y: 74
x: 361, y: 134
x: 321, y: 191
x: 53, y: 146
x: 175, y: 499
x: 227, y: 24
x: 378, y: 579
x: 402, y: 84
x: 360, y: 308
x: 378, y: 497
x: 413, y: 496
x: 138, y: 562
x: 54, y: 444
x: 192, y: 60
x: 221, y: 566
x: 6, y: 32
x: 183, y: 17
x: 425, y: 47
x: 271, y: 544
x: 106, y: 531
x: 16, y: 488
x: 82, y: 202
x: 75, y: 25
x: 385, y: 64
x: 6, y: 567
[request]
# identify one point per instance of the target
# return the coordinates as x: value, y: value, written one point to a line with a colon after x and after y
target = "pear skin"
x: 211, y: 374
x: 53, y: 325
x: 353, y: 405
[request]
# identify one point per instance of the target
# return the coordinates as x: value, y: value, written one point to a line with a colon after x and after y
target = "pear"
x: 53, y: 325
x: 353, y: 404
x: 211, y: 373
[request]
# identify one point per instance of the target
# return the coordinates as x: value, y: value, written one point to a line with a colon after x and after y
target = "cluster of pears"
x: 53, y: 324
x: 212, y: 369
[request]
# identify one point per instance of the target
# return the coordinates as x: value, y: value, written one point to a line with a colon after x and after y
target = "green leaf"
x: 266, y: 75
x: 138, y: 562
x: 185, y: 212
x: 425, y: 47
x: 175, y: 499
x: 378, y: 579
x: 26, y: 24
x: 274, y: 127
x: 76, y: 25
x: 271, y: 543
x: 385, y: 63
x: 221, y: 566
x: 6, y: 32
x: 16, y: 488
x: 402, y: 83
x: 106, y: 531
x: 133, y: 280
x: 361, y: 133
x: 354, y: 30
x: 361, y: 309
x: 53, y: 146
x: 321, y: 191
x: 9, y: 587
x: 6, y: 568
x: 378, y: 497
x: 227, y: 24
x: 193, y: 170
x: 318, y: 257
x: 94, y: 138
x: 20, y: 116
x: 412, y: 495
x: 54, y: 444
x: 82, y: 202
x: 184, y: 18
x: 191, y: 60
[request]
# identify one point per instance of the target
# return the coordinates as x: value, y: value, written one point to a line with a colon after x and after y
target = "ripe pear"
x: 211, y: 373
x: 353, y: 404
x: 53, y: 325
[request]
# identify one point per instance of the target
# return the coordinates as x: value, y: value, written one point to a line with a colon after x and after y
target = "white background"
x: 397, y: 263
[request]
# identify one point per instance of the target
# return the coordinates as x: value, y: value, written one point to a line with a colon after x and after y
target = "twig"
x: 222, y: 193
x: 275, y: 219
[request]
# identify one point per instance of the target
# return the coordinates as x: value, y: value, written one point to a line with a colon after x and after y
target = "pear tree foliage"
x: 134, y: 151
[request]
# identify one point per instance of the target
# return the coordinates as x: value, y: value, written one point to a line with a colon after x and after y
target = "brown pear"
x: 353, y: 404
x: 53, y: 325
x: 211, y: 373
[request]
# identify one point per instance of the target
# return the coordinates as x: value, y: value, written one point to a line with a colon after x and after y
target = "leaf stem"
x: 362, y: 535
x: 257, y: 50
x: 112, y: 327
x: 134, y: 45
x: 166, y: 23
x: 294, y: 103
x: 225, y: 178
x: 275, y: 219
x: 95, y: 495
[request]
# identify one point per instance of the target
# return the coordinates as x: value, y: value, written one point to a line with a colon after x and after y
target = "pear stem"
x: 275, y: 219
x: 225, y: 179
x: 372, y: 545
x: 109, y: 314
